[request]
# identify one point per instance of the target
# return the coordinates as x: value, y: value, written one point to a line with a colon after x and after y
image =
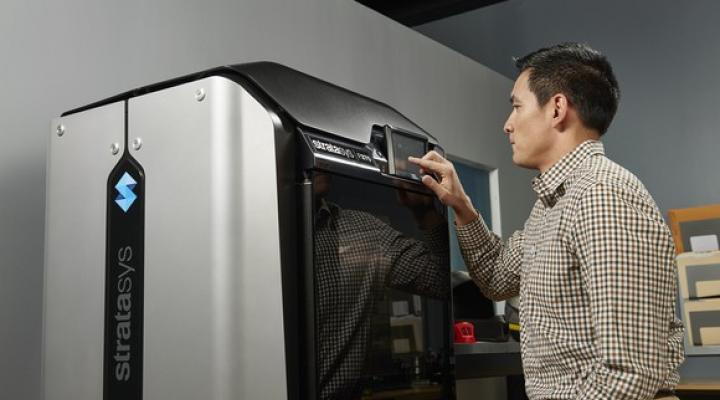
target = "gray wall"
x: 666, y: 57
x: 59, y: 55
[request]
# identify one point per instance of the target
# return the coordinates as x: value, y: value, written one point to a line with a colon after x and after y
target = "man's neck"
x: 565, y: 147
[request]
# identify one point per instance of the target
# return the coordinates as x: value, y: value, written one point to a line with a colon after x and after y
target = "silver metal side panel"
x: 79, y: 163
x: 213, y: 296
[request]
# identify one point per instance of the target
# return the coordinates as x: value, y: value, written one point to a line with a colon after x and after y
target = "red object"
x: 464, y: 332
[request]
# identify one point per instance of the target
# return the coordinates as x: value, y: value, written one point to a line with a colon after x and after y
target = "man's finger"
x: 433, y: 185
x: 428, y: 165
x: 434, y: 156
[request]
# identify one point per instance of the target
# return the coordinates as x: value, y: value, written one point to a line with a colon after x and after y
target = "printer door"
x: 381, y: 285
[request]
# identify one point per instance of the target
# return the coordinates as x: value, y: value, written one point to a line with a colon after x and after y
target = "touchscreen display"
x: 403, y: 147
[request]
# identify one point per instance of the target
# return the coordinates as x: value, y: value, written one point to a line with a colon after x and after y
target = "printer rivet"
x: 137, y: 143
x: 200, y: 94
x: 114, y: 148
x: 60, y: 130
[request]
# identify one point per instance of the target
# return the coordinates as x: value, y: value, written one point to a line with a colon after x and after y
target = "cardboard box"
x: 699, y: 275
x: 702, y: 322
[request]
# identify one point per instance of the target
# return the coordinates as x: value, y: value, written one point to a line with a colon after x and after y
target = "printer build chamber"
x: 247, y: 232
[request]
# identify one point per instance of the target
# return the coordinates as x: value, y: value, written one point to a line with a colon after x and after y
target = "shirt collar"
x: 549, y: 185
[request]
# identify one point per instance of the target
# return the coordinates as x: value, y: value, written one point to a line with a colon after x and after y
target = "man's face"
x: 529, y: 126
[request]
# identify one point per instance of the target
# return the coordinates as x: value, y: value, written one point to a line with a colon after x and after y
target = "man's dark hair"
x: 579, y: 72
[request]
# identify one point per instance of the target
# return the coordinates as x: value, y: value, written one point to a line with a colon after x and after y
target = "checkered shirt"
x: 357, y: 257
x: 595, y: 270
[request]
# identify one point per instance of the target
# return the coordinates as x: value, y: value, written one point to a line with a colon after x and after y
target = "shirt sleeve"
x: 627, y: 261
x: 495, y: 267
x: 418, y: 266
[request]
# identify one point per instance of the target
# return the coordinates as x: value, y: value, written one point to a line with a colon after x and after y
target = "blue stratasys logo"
x: 126, y: 196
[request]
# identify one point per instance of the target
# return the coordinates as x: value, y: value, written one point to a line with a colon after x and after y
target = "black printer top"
x: 309, y: 101
x: 322, y: 105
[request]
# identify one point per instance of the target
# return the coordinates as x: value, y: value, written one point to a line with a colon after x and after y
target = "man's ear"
x: 559, y: 107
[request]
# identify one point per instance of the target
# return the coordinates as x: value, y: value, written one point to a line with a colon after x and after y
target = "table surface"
x: 487, y: 348
x: 511, y: 347
x: 430, y: 392
x: 703, y: 385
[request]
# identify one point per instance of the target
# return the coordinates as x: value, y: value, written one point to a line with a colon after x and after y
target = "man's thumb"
x: 433, y: 185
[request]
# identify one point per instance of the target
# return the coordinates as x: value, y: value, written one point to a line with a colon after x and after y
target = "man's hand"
x: 448, y: 187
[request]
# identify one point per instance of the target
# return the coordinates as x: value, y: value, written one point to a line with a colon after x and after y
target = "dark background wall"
x: 666, y: 57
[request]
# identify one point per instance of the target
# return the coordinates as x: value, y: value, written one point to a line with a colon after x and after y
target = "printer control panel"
x: 387, y: 152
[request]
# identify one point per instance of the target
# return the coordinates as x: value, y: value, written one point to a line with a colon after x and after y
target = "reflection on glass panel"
x: 381, y: 281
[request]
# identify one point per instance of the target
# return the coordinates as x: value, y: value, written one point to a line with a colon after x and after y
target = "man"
x: 594, y: 264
